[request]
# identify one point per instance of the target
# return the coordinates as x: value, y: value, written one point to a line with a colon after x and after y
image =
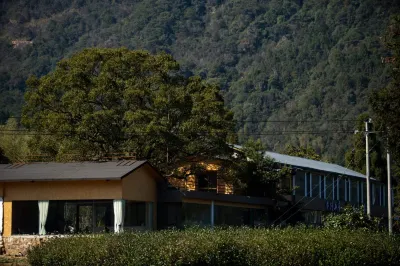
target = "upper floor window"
x: 322, y: 191
x: 207, y: 181
x: 308, y: 185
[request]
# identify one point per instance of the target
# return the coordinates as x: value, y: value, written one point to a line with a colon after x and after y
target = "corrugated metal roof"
x: 312, y: 164
x: 68, y: 171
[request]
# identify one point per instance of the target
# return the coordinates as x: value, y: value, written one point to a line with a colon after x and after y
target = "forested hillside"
x: 275, y: 61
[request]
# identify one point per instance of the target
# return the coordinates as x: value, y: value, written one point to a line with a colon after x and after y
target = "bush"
x: 244, y: 246
x: 352, y: 218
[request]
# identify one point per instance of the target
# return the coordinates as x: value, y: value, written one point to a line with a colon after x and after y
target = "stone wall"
x: 19, y: 245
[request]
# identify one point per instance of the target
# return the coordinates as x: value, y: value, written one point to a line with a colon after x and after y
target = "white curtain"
x: 119, y: 215
x: 1, y: 215
x: 43, y: 210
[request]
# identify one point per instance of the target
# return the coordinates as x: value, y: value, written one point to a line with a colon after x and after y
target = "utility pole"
x: 367, y: 171
x: 389, y: 185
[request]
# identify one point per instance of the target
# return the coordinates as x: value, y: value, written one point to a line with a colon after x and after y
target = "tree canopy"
x: 100, y: 102
x: 386, y: 101
x: 274, y: 60
x: 356, y: 157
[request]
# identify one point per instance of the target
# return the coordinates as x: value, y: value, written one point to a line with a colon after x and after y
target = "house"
x: 46, y: 199
x: 63, y: 198
x: 40, y: 200
x: 320, y: 187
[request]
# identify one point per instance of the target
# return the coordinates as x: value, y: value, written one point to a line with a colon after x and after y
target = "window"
x: 312, y: 217
x: 359, y: 192
x: 135, y: 214
x: 315, y: 185
x: 348, y: 194
x: 300, y: 183
x: 364, y: 193
x: 25, y: 217
x: 237, y: 216
x: 68, y: 217
x: 322, y: 187
x: 354, y: 192
x: 308, y: 185
x: 382, y: 195
x: 329, y: 188
x: 207, y: 181
x: 342, y: 189
x: 196, y: 214
x: 335, y: 188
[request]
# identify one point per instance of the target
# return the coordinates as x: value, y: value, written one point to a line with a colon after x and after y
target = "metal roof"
x: 312, y: 164
x: 68, y: 171
x: 309, y: 164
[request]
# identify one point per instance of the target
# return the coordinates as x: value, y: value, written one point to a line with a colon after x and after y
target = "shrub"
x: 244, y: 246
x: 352, y: 218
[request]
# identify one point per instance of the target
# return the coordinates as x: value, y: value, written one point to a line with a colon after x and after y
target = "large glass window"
x: 236, y: 216
x: 342, y: 189
x: 135, y: 214
x: 308, y: 185
x: 382, y: 200
x: 68, y: 217
x: 322, y: 192
x: 25, y: 217
x: 196, y: 214
x: 312, y: 217
x: 329, y: 188
x: 354, y: 192
x: 375, y: 194
x: 315, y: 185
x: 364, y: 192
x: 300, y: 184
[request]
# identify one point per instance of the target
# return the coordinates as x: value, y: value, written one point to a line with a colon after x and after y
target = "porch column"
x: 43, y: 210
x: 212, y: 214
x: 1, y: 216
x: 119, y: 215
x: 150, y: 215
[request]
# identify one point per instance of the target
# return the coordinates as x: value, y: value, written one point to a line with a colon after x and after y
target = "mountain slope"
x: 274, y: 60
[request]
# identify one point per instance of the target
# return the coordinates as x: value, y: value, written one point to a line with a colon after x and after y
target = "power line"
x: 142, y: 133
x: 296, y: 121
x: 246, y: 121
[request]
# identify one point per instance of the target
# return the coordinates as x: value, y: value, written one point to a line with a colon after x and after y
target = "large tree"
x: 386, y: 101
x: 105, y: 101
x: 356, y: 157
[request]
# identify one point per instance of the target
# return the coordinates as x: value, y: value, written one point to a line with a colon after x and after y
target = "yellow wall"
x: 7, y: 212
x: 140, y: 185
x: 62, y: 190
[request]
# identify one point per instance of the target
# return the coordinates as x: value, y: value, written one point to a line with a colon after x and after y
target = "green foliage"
x: 385, y: 102
x: 303, y: 152
x: 352, y: 218
x: 291, y: 246
x: 274, y: 60
x: 105, y: 101
x: 257, y: 174
x: 14, y: 145
x: 355, y: 158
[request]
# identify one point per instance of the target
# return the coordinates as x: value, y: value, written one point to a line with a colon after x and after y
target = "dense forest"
x: 297, y: 72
